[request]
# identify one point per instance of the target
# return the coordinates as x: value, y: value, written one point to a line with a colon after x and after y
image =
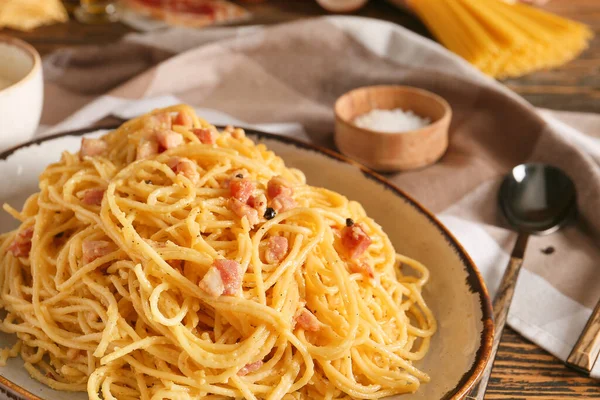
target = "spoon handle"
x: 501, y: 306
x: 586, y: 350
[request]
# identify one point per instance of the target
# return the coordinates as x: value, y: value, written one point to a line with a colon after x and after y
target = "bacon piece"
x: 184, y: 166
x: 355, y: 240
x: 277, y: 248
x: 204, y: 135
x: 259, y: 203
x: 243, y: 210
x: 231, y: 275
x: 282, y: 203
x: 158, y: 121
x: 21, y: 246
x: 278, y: 186
x: 249, y: 368
x: 92, y: 147
x: 146, y: 149
x: 361, y: 267
x: 93, y: 197
x: 169, y: 139
x: 241, y: 189
x: 94, y: 249
x: 212, y: 283
x: 184, y: 119
x: 307, y: 320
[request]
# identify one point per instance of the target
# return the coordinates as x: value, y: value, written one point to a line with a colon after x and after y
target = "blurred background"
x: 549, y: 63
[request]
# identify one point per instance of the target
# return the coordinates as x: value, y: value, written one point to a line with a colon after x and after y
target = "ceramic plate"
x: 456, y: 292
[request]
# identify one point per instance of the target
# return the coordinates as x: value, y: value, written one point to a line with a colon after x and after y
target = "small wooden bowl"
x: 383, y: 151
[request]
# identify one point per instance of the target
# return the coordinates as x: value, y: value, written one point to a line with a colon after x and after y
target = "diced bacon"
x: 168, y: 139
x: 21, y: 246
x: 92, y: 147
x: 93, y: 197
x: 184, y: 119
x: 277, y: 248
x: 282, y: 203
x: 243, y: 210
x: 241, y: 189
x: 186, y: 167
x: 212, y: 283
x: 238, y: 173
x: 158, y: 121
x: 259, y: 203
x: 307, y: 321
x: 355, y: 240
x: 249, y: 368
x: 231, y: 275
x: 205, y: 135
x: 278, y: 186
x: 94, y: 249
x: 361, y: 267
x: 146, y: 149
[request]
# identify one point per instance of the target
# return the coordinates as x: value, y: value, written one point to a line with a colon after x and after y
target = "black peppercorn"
x: 239, y: 176
x: 349, y: 222
x: 270, y: 213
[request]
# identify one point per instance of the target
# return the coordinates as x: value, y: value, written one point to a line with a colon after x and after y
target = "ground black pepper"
x: 548, y: 250
x: 270, y: 213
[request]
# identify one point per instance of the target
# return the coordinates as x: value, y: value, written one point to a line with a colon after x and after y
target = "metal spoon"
x: 535, y: 199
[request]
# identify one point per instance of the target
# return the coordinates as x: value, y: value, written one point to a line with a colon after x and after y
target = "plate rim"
x: 474, y: 279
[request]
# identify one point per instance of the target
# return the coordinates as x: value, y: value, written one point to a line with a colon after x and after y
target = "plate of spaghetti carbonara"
x: 170, y: 259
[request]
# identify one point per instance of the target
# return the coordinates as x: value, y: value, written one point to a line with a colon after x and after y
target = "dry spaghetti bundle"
x: 503, y: 39
x: 168, y: 260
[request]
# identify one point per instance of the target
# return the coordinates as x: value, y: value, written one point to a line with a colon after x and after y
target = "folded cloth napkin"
x: 294, y: 72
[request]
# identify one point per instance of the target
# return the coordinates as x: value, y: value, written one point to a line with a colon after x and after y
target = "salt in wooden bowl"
x: 392, y: 151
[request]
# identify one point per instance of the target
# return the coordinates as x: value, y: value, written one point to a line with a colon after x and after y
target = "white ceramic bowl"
x: 456, y: 292
x: 21, y: 91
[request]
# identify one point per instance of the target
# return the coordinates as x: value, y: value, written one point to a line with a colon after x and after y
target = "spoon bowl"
x: 537, y: 198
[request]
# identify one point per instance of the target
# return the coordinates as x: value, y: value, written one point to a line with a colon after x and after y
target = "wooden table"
x: 522, y: 370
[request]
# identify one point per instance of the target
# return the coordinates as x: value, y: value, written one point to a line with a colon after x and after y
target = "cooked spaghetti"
x: 168, y: 260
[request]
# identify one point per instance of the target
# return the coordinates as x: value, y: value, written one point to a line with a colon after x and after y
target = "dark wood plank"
x: 575, y: 86
x: 522, y: 370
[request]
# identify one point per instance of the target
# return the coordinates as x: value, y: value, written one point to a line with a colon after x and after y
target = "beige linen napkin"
x: 293, y: 73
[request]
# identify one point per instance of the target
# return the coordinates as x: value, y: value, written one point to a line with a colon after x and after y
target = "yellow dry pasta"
x: 503, y: 39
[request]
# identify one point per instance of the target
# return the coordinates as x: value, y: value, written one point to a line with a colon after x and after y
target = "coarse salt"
x: 391, y: 121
